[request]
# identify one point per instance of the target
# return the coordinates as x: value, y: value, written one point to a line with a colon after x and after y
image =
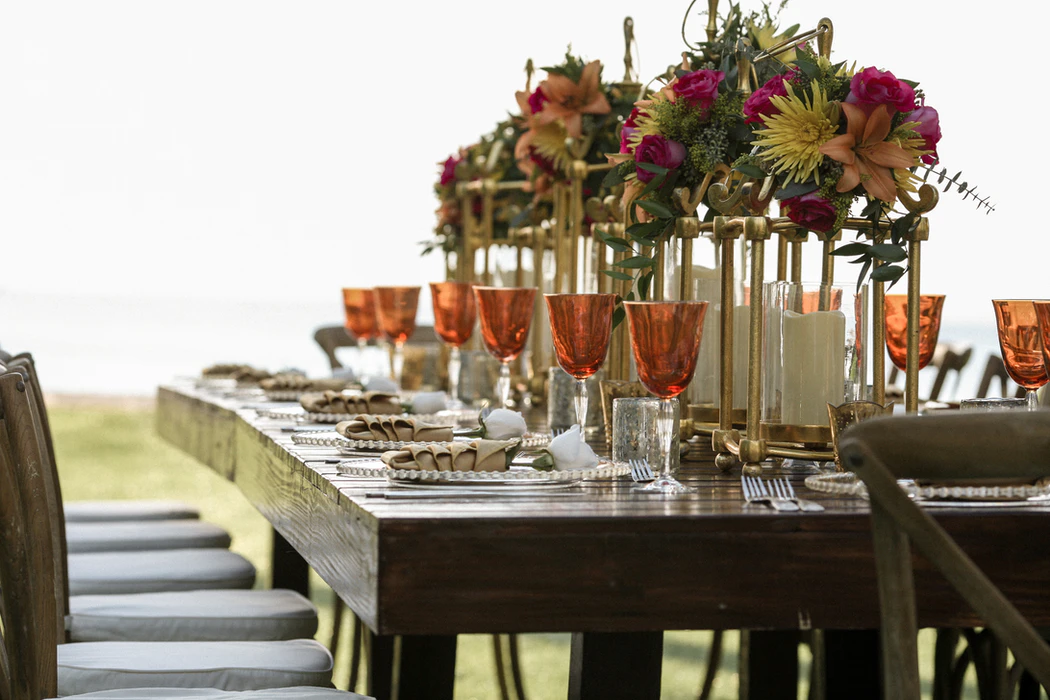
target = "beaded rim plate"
x: 298, y: 415
x: 847, y: 484
x: 329, y: 438
x: 515, y: 475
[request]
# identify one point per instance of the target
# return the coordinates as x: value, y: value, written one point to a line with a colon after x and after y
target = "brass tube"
x: 488, y: 212
x: 601, y: 251
x: 911, y: 377
x: 579, y: 174
x: 623, y: 367
x: 878, y: 334
x: 557, y: 232
x: 782, y: 258
x: 725, y: 326
x: 685, y: 287
x: 466, y: 265
x: 539, y: 244
x: 754, y: 349
x: 519, y: 270
x: 796, y: 261
x: 656, y: 289
x: 827, y: 274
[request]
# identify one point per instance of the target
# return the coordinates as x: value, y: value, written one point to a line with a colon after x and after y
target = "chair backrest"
x: 998, y: 446
x: 995, y: 369
x: 32, y: 621
x: 330, y: 338
x: 953, y: 359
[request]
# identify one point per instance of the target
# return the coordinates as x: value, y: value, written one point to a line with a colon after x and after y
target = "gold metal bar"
x: 558, y: 232
x: 466, y: 265
x: 796, y: 261
x: 656, y: 289
x: 725, y: 414
x: 601, y: 251
x: 519, y: 269
x: 623, y: 369
x: 488, y: 213
x: 920, y: 233
x: 782, y: 258
x: 539, y: 244
x: 579, y: 174
x: 878, y: 333
x: 752, y: 450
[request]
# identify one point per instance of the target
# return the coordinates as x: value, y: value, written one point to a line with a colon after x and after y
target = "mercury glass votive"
x: 988, y: 405
x: 634, y: 434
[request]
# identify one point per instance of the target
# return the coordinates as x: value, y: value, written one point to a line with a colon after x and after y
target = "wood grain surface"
x: 598, y: 558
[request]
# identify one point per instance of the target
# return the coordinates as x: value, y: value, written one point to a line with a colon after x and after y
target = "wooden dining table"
x: 613, y: 566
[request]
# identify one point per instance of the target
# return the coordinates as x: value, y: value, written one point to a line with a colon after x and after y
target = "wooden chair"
x: 331, y: 337
x: 995, y: 369
x: 947, y: 359
x: 36, y: 662
x: 880, y: 451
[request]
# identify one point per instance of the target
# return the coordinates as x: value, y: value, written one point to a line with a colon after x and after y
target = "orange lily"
x: 868, y: 157
x: 569, y: 101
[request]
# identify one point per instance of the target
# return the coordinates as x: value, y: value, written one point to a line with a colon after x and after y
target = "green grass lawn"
x: 108, y: 452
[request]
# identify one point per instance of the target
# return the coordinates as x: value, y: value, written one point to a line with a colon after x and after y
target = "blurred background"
x: 189, y: 182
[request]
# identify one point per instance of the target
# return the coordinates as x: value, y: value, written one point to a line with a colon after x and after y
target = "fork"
x: 783, y: 488
x: 641, y: 471
x: 755, y: 491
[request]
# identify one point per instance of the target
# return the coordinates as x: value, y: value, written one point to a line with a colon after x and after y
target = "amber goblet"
x: 1042, y: 316
x: 1021, y: 344
x: 581, y: 326
x: 665, y: 340
x: 930, y: 306
x: 506, y: 315
x: 454, y: 316
x: 360, y: 307
x: 396, y: 307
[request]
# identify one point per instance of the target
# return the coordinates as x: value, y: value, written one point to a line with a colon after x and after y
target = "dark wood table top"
x: 597, y: 557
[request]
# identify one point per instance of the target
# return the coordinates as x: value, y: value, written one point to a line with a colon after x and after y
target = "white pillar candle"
x: 814, y: 365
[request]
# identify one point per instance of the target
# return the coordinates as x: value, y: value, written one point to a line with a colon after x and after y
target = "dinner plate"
x: 330, y: 438
x: 514, y: 476
x: 990, y: 496
x: 298, y: 414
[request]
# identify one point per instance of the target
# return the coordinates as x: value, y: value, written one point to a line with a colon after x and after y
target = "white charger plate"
x: 525, y: 476
x: 330, y: 438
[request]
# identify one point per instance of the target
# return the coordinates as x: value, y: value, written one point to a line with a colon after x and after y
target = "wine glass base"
x: 665, y: 484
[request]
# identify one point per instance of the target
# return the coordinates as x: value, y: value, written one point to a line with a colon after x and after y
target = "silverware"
x: 641, y: 471
x: 755, y: 491
x: 464, y: 493
x: 783, y: 488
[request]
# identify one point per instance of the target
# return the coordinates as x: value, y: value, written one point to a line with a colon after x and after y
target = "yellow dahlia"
x: 792, y: 139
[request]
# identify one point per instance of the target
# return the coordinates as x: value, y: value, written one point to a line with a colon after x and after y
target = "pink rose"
x: 658, y: 151
x: 628, y: 130
x: 874, y: 87
x: 448, y: 172
x: 536, y: 101
x: 929, y: 129
x: 758, y: 104
x: 699, y: 88
x: 811, y: 211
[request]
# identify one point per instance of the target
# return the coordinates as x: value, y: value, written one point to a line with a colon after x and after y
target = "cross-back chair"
x: 947, y: 359
x: 994, y: 370
x: 997, y: 446
x: 39, y: 663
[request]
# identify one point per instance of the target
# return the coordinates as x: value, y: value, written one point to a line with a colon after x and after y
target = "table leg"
x: 289, y: 570
x: 412, y: 667
x: 852, y: 658
x: 769, y: 665
x: 615, y: 665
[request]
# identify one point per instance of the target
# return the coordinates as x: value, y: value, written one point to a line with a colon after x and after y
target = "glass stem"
x: 399, y: 361
x: 453, y: 374
x: 503, y: 384
x: 664, y: 433
x: 1032, y: 399
x: 581, y: 408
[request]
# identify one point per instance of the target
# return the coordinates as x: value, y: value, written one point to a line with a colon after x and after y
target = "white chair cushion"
x: 300, y: 693
x: 92, y: 666
x: 149, y: 572
x: 192, y: 616
x: 145, y: 535
x: 100, y: 511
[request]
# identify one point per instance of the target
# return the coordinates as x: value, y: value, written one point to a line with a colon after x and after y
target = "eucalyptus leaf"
x: 635, y: 263
x: 751, y: 170
x: 652, y: 168
x: 657, y: 209
x: 887, y: 273
x: 852, y: 249
x: 618, y: 316
x: 617, y: 275
x: 796, y: 189
x: 889, y: 252
x: 612, y: 178
x: 644, y: 284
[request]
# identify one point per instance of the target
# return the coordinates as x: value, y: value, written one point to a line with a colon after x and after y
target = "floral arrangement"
x: 571, y: 115
x: 492, y: 156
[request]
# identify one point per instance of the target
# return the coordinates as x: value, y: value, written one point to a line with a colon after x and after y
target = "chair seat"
x: 154, y: 572
x: 93, y: 666
x: 145, y: 509
x: 300, y: 693
x: 144, y: 535
x: 198, y: 616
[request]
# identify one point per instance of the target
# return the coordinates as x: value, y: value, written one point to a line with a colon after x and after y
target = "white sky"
x: 253, y: 149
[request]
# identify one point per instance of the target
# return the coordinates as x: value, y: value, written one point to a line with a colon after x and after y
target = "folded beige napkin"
x: 224, y: 369
x: 474, y: 456
x: 367, y: 427
x: 297, y: 382
x: 370, y: 402
x: 250, y: 375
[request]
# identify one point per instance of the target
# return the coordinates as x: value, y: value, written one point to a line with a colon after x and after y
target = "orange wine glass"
x: 397, y: 318
x: 506, y: 315
x: 930, y: 306
x: 454, y: 316
x: 581, y: 326
x: 665, y: 340
x: 1021, y: 344
x: 360, y: 307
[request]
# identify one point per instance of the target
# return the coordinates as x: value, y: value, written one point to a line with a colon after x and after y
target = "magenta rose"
x: 758, y: 104
x: 699, y: 88
x: 536, y: 101
x: 658, y: 151
x: 929, y: 129
x: 629, y: 128
x: 874, y: 87
x: 811, y: 211
x: 448, y: 172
